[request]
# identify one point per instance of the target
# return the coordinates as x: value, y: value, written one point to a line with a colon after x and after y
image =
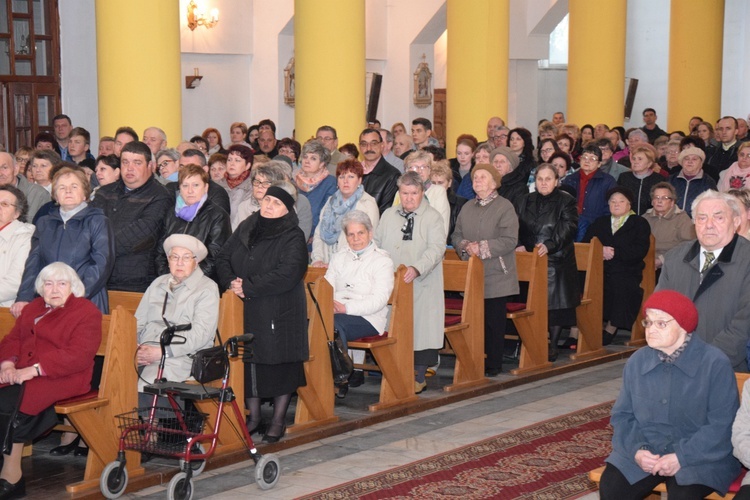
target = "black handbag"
x: 8, y: 421
x: 341, y: 364
x: 210, y: 364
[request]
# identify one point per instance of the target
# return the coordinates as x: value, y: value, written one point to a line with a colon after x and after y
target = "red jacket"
x: 64, y: 343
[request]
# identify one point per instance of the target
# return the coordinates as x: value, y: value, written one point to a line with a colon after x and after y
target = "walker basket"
x: 167, y: 433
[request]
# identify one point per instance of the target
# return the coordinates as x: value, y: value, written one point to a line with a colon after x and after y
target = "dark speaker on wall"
x: 630, y: 98
x: 372, y: 103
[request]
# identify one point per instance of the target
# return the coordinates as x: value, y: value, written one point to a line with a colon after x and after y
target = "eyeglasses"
x: 180, y: 258
x: 21, y: 159
x: 661, y: 198
x: 660, y: 324
x: 589, y: 158
x: 5, y: 204
x: 165, y: 163
x: 548, y: 150
x: 414, y: 168
x: 265, y: 184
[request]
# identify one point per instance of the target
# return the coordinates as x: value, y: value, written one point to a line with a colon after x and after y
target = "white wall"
x: 78, y: 61
x: 647, y: 58
x: 735, y: 99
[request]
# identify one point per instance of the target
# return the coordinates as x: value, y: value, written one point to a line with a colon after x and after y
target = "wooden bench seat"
x: 464, y: 321
x: 316, y: 400
x: 530, y: 319
x: 648, y: 283
x: 394, y: 350
x: 590, y: 259
x: 93, y: 414
x: 596, y: 474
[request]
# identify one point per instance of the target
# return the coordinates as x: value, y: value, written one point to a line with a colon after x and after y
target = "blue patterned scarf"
x: 330, y: 221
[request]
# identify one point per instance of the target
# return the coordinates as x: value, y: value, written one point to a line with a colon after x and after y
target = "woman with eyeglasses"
x: 673, y: 418
x: 196, y: 215
x: 329, y: 236
x: 670, y: 225
x: 181, y: 295
x: 167, y: 165
x: 15, y: 241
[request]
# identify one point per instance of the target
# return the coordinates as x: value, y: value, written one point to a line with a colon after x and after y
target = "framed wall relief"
x: 289, y: 83
x: 423, y: 84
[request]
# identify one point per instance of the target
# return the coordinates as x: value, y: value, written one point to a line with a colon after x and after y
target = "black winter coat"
x: 272, y: 271
x: 515, y: 185
x: 381, y: 184
x: 456, y: 203
x: 622, y: 273
x: 210, y: 225
x: 137, y: 218
x: 641, y: 189
x: 553, y: 221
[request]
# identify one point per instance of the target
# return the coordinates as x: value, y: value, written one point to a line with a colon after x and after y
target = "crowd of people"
x: 183, y: 224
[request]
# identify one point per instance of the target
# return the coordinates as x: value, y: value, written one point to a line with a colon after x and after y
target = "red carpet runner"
x: 548, y: 460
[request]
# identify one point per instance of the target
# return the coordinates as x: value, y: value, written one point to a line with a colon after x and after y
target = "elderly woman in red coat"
x: 48, y: 356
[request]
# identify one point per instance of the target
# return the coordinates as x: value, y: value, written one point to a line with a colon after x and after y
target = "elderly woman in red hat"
x: 673, y: 418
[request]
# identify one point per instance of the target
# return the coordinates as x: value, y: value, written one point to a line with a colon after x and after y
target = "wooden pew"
x: 596, y: 474
x: 93, y: 414
x: 128, y: 300
x: 648, y: 283
x: 465, y: 332
x: 315, y: 404
x: 589, y: 313
x: 231, y: 324
x: 394, y: 351
x: 530, y: 318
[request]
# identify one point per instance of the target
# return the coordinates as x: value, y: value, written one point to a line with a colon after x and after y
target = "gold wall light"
x: 197, y: 16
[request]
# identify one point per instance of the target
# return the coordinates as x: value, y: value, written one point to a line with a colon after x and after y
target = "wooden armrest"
x: 370, y: 345
x: 520, y: 314
x: 596, y: 474
x: 82, y: 406
x: 457, y: 327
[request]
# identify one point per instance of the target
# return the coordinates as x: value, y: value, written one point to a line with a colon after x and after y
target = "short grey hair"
x: 356, y: 217
x: 170, y: 153
x: 270, y: 172
x: 316, y: 147
x: 288, y: 187
x: 411, y: 179
x: 60, y: 271
x: 731, y: 201
x: 161, y: 133
x: 282, y: 167
x: 386, y: 135
x: 638, y: 132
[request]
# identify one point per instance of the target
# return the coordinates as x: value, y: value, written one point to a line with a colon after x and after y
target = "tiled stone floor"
x: 335, y: 460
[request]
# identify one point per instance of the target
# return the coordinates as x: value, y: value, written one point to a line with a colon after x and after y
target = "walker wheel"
x: 113, y: 480
x: 267, y: 471
x: 180, y: 487
x: 198, y: 466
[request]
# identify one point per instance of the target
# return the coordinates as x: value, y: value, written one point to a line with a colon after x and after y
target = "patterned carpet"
x: 548, y: 460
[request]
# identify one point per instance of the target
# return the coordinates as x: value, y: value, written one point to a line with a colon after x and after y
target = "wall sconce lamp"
x: 196, y: 16
x: 193, y: 81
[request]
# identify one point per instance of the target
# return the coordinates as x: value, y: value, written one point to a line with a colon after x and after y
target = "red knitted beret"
x: 676, y: 305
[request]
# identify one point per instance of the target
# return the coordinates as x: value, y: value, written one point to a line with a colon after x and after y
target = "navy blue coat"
x: 686, y: 408
x: 86, y: 243
x: 688, y: 190
x: 595, y: 203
